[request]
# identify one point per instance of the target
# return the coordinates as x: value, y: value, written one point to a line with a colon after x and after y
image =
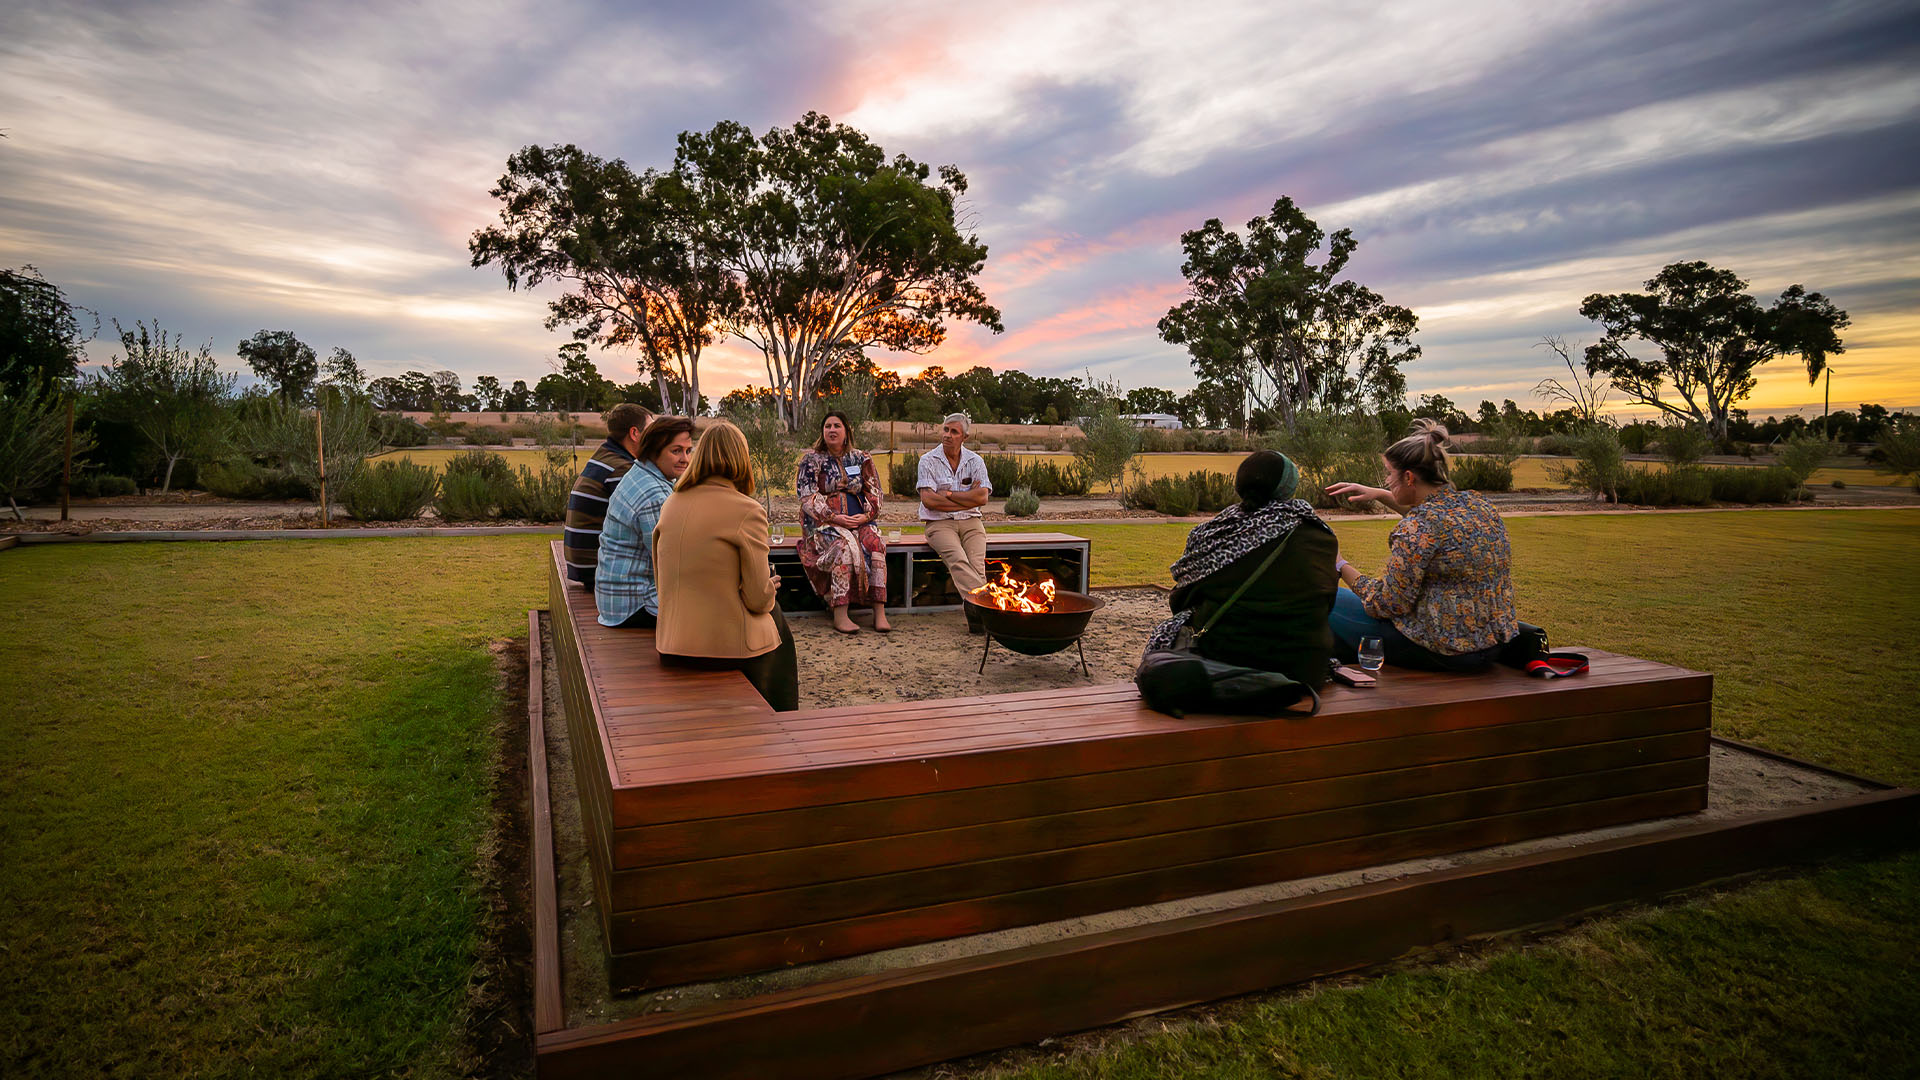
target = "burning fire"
x: 1009, y: 593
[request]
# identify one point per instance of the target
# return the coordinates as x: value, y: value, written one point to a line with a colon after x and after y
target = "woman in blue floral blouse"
x: 840, y: 547
x: 1445, y: 600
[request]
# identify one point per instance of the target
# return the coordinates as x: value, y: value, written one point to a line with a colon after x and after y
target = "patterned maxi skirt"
x: 846, y: 566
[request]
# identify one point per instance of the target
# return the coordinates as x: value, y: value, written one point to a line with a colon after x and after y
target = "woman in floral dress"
x: 840, y: 546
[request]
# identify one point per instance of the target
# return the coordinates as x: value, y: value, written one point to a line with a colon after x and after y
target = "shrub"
x: 541, y: 496
x: 485, y: 464
x: 1051, y: 478
x: 466, y: 496
x: 92, y: 485
x: 1023, y: 503
x: 1481, y: 474
x: 390, y: 491
x: 1329, y: 448
x: 1164, y: 495
x: 33, y: 443
x: 1506, y: 441
x: 903, y: 475
x: 1636, y: 437
x: 282, y: 436
x: 1666, y: 487
x: 1599, y: 463
x: 488, y: 436
x: 1898, y: 451
x: 1107, y: 443
x: 249, y: 480
x: 1745, y: 484
x: 1802, y: 454
x: 1003, y: 470
x: 1557, y: 445
x: 1179, y: 496
x: 1684, y: 444
x: 395, y: 430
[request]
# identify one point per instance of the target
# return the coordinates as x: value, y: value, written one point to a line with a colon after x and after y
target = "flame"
x: 1009, y: 593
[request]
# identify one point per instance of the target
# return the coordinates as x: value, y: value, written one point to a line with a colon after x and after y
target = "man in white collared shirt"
x: 953, y: 487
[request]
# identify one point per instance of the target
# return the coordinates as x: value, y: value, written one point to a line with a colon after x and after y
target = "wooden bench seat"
x: 727, y: 838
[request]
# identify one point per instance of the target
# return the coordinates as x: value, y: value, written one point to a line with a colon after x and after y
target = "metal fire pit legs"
x: 1084, y: 669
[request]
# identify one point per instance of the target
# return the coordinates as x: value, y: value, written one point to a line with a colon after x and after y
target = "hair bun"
x: 1432, y: 430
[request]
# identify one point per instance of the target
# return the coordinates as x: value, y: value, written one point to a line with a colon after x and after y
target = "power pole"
x: 320, y: 441
x: 66, y: 477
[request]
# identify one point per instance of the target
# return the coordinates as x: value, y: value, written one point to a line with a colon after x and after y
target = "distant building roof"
x: 1154, y: 419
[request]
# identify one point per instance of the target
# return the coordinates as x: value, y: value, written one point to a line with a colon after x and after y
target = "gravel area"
x: 932, y: 655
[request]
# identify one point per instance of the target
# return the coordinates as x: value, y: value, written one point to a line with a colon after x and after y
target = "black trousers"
x: 775, y: 674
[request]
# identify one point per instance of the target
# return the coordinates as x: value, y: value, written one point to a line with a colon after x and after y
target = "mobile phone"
x: 1352, y: 676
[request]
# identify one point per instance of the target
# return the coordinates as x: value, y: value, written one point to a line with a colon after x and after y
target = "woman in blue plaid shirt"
x: 623, y: 586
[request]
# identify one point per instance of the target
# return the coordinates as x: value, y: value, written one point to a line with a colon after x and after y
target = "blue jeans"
x: 1350, y: 622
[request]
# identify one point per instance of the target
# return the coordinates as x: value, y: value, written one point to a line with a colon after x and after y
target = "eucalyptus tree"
x: 835, y: 249
x: 1712, y: 338
x: 41, y: 333
x: 1284, y: 332
x: 637, y: 252
x: 283, y: 362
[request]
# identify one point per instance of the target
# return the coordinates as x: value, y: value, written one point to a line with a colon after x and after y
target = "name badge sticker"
x: 853, y: 470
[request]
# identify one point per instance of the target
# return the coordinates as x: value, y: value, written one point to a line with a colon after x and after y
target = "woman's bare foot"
x: 880, y: 622
x: 842, y: 622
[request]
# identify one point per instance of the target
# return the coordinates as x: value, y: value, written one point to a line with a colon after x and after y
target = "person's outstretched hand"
x: 1357, y: 493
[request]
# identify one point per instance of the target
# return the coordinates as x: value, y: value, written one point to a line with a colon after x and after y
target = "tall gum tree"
x: 1712, y: 337
x: 636, y: 251
x: 834, y: 248
x: 1264, y: 320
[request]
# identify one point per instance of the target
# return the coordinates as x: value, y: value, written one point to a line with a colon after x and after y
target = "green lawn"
x: 245, y: 786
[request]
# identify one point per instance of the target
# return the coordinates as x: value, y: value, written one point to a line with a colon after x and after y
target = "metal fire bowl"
x: 1039, y: 633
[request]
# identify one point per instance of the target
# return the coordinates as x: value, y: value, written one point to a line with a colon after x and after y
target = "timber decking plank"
x: 674, y: 739
x: 804, y: 864
x: 549, y: 1013
x: 1166, y: 852
x: 677, y: 794
x: 842, y: 822
x: 919, y: 1015
x: 709, y: 959
x: 773, y: 750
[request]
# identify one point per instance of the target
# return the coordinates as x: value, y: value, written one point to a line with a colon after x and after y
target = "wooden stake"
x: 66, y: 477
x: 320, y: 438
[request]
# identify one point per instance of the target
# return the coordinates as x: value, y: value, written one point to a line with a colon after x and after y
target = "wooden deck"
x: 727, y: 838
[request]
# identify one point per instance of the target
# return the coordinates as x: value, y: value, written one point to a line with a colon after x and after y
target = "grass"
x: 1797, y: 978
x: 245, y: 788
x: 1769, y: 601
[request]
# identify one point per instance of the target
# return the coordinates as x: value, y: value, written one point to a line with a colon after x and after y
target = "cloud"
x: 227, y: 167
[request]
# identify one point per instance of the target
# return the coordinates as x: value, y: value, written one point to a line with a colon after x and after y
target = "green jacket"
x: 1280, y: 622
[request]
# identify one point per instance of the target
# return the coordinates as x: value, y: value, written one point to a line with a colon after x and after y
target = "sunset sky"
x: 228, y: 167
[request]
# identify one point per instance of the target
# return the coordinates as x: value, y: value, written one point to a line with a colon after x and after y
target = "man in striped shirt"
x: 587, y: 506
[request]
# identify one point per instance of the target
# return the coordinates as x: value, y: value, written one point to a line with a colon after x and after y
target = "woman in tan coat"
x: 717, y: 608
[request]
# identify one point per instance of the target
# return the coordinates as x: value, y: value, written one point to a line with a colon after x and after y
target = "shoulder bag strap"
x: 1244, y: 585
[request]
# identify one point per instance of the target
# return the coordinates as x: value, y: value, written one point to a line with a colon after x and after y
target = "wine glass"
x: 1372, y: 654
x: 776, y: 533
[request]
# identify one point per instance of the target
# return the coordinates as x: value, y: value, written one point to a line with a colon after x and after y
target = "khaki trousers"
x: 961, y: 543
